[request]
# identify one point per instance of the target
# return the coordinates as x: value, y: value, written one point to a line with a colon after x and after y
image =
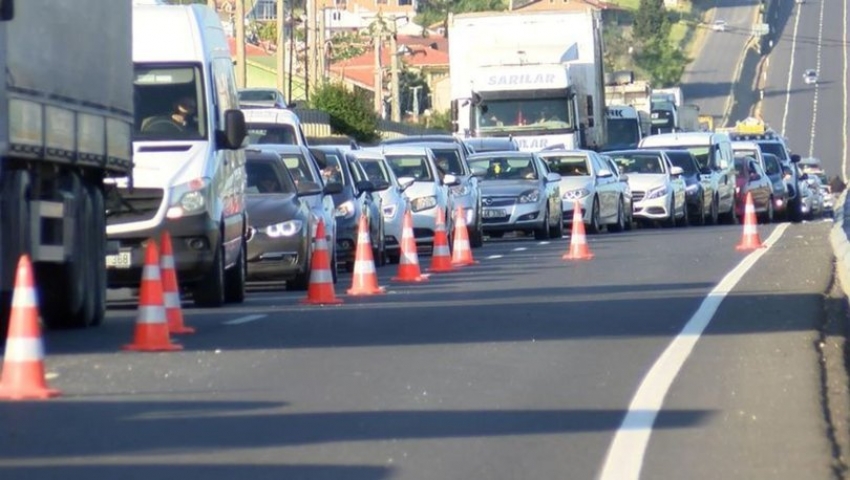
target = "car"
x: 354, y: 200
x: 394, y: 203
x: 751, y: 178
x: 305, y: 172
x: 588, y: 181
x: 451, y: 156
x: 492, y: 144
x: 698, y: 194
x: 773, y: 170
x: 816, y: 187
x: 520, y: 193
x: 719, y: 26
x: 623, y: 185
x: 274, y: 126
x: 810, y: 77
x: 261, y: 98
x: 279, y: 241
x: 658, y: 188
x: 429, y: 191
x: 828, y: 200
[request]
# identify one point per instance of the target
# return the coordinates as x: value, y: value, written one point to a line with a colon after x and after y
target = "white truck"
x: 533, y: 76
x: 689, y: 118
x: 66, y: 112
x: 627, y: 126
x: 621, y: 88
x: 665, y: 104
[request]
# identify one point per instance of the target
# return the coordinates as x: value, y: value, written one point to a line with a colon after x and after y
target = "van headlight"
x: 284, y: 229
x: 531, y: 196
x: 423, y: 203
x: 345, y: 209
x: 189, y: 198
x: 657, y: 192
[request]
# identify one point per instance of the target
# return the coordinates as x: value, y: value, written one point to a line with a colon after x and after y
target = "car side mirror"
x: 478, y: 173
x: 795, y: 158
x: 677, y: 171
x: 365, y: 186
x: 705, y: 171
x: 307, y: 188
x: 405, y: 182
x: 380, y: 185
x: 450, y: 180
x: 804, y: 176
x: 553, y: 177
x: 604, y: 173
x: 235, y: 131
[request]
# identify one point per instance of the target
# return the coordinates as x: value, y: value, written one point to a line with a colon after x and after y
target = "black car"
x: 354, y: 200
x: 697, y: 196
x: 279, y: 242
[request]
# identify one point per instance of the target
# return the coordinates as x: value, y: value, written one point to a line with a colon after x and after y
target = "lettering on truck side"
x: 532, y: 143
x: 521, y: 79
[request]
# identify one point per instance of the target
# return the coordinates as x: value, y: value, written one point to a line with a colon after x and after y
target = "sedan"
x: 719, y: 26
x: 279, y: 242
x: 698, y: 194
x: 658, y: 189
x: 261, y: 98
x: 750, y: 178
x: 773, y: 170
x: 519, y: 194
x: 810, y: 77
x: 587, y: 181
x: 394, y: 203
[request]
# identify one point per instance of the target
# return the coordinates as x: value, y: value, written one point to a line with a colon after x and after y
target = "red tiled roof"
x: 250, y: 49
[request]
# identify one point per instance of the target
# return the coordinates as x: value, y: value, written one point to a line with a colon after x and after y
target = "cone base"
x: 464, y: 263
x: 152, y: 348
x: 582, y: 256
x: 31, y: 393
x: 181, y: 329
x: 748, y: 246
x: 318, y: 301
x: 419, y: 278
x: 357, y: 291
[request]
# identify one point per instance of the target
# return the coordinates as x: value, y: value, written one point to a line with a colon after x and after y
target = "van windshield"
x: 168, y: 102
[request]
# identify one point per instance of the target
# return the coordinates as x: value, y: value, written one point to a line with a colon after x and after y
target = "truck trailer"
x: 65, y: 126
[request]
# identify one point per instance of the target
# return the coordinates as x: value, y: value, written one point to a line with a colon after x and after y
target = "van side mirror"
x: 235, y: 130
x: 7, y: 10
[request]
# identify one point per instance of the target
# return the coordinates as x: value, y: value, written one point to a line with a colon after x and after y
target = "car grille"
x: 637, y: 195
x: 572, y: 195
x: 136, y: 205
x: 498, y: 201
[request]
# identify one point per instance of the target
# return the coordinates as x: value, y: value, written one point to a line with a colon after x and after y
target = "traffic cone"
x: 578, y: 241
x: 461, y: 251
x: 365, y: 280
x: 151, y: 324
x: 23, y: 367
x: 321, y: 288
x: 170, y: 288
x: 408, y: 265
x: 750, y: 239
x: 441, y: 258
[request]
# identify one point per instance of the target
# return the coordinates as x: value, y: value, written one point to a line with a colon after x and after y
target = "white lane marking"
x: 817, y: 69
x: 844, y: 102
x: 625, y: 455
x: 246, y: 319
x: 791, y: 68
x: 494, y: 257
x: 520, y: 249
x: 544, y: 243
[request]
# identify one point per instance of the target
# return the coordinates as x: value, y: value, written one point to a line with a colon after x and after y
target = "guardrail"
x: 840, y: 243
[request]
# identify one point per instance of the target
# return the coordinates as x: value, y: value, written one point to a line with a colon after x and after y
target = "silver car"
x: 658, y: 188
x: 428, y: 191
x: 394, y: 203
x: 588, y: 181
x: 519, y: 194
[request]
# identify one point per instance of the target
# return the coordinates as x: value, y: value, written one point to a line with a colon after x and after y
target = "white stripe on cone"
x: 321, y: 276
x: 167, y: 262
x: 364, y: 266
x: 24, y: 349
x: 151, y: 314
x: 440, y: 250
x: 24, y: 297
x: 150, y: 272
x: 171, y: 299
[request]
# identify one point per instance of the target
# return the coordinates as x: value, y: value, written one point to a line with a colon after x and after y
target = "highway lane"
x: 708, y: 80
x: 522, y: 366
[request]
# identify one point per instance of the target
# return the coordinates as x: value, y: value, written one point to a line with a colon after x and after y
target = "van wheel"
x: 210, y: 291
x: 234, y: 279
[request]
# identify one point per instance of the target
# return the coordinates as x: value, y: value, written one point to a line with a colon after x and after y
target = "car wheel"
x: 496, y: 234
x: 621, y: 219
x: 714, y: 216
x: 477, y: 238
x: 557, y: 230
x: 210, y: 291
x: 685, y: 220
x: 594, y: 226
x: 234, y: 281
x: 542, y: 233
x: 671, y: 220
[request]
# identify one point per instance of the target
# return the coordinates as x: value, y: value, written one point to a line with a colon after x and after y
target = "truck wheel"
x: 234, y: 279
x: 98, y: 253
x: 210, y: 292
x: 14, y: 240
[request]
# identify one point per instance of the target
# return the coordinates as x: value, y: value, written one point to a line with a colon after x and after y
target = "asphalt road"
x: 708, y: 80
x: 522, y: 366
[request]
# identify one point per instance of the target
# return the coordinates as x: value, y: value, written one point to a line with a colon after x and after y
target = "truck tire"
x: 210, y: 291
x: 99, y: 254
x: 234, y: 278
x: 14, y: 239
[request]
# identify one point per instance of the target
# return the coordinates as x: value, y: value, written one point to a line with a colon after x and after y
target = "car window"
x: 271, y: 134
x: 375, y: 170
x: 263, y: 178
x: 332, y: 170
x: 772, y: 165
x: 415, y: 166
x: 568, y: 165
x: 640, y: 163
x: 298, y: 167
x: 505, y: 168
x: 683, y: 160
x: 448, y: 160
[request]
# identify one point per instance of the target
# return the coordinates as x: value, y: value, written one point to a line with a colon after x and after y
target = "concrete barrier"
x: 840, y: 243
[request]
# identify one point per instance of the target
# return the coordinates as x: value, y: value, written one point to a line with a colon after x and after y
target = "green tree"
x: 651, y: 21
x: 439, y: 121
x: 407, y: 80
x: 433, y: 11
x: 663, y: 62
x: 350, y: 111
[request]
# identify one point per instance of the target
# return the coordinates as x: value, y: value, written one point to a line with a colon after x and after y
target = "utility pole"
x: 280, y: 53
x: 415, y: 92
x: 322, y: 45
x: 212, y: 4
x: 396, y: 107
x: 379, y: 79
x: 241, y: 67
x: 310, y: 38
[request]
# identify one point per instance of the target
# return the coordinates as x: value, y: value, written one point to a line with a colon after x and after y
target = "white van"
x: 274, y: 126
x: 188, y: 149
x: 716, y: 160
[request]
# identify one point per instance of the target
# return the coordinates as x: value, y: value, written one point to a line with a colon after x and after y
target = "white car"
x: 658, y: 188
x: 810, y: 76
x: 719, y: 26
x: 394, y: 203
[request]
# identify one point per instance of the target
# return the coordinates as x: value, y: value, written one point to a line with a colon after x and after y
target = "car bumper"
x: 277, y: 258
x: 516, y: 217
x: 568, y: 207
x: 653, y: 209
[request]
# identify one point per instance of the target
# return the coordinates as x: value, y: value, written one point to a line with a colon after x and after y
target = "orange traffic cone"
x: 408, y: 265
x: 365, y: 281
x: 321, y: 288
x: 578, y: 242
x: 170, y: 288
x: 441, y: 258
x: 23, y: 367
x: 461, y: 251
x: 151, y: 324
x: 750, y: 239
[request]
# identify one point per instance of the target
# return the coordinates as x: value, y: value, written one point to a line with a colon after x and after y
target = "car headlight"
x: 692, y: 189
x: 189, y: 198
x: 345, y: 209
x: 460, y: 190
x: 284, y: 229
x: 657, y: 192
x: 576, y: 194
x: 531, y: 196
x: 423, y: 203
x: 388, y: 211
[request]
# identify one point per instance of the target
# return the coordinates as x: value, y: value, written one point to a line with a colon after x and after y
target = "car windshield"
x: 683, y: 160
x: 262, y: 178
x: 298, y: 167
x: 257, y: 95
x: 375, y: 169
x: 639, y: 163
x: 505, y: 168
x: 271, y: 134
x: 771, y: 165
x: 415, y: 166
x: 169, y: 103
x: 448, y: 160
x: 568, y: 165
x: 775, y: 148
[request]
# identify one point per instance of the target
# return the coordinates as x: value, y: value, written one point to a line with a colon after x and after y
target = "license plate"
x: 494, y: 213
x: 121, y: 260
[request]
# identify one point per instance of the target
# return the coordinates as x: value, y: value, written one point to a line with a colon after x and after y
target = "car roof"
x: 278, y: 147
x: 252, y: 154
x: 552, y: 153
x: 421, y: 139
x: 401, y: 149
x: 505, y: 153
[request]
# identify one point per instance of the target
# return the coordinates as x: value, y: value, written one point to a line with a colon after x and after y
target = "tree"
x: 408, y: 79
x: 433, y: 11
x: 662, y: 61
x: 651, y: 21
x: 350, y: 111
